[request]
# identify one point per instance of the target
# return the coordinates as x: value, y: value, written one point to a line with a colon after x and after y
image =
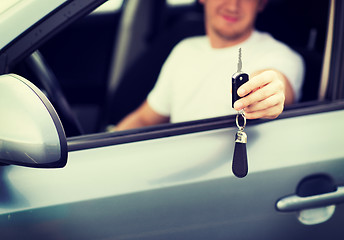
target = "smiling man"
x: 195, y: 81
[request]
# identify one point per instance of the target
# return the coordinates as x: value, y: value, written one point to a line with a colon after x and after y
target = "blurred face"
x: 229, y: 22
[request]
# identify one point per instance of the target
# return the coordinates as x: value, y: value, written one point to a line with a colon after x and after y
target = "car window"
x: 188, y: 21
x: 83, y: 56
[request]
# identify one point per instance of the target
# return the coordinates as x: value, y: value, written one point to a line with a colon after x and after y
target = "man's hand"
x: 265, y: 95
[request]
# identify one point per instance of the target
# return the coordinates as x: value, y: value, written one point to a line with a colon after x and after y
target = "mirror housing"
x: 31, y: 133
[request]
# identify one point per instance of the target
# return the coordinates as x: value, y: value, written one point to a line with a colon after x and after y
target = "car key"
x: 238, y: 79
x: 239, y: 163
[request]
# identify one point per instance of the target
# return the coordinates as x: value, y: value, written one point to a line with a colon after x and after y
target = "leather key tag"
x: 239, y: 164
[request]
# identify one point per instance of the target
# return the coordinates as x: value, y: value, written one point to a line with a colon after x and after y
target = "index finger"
x: 256, y: 82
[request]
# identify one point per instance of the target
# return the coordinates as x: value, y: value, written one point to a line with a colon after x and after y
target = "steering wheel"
x: 47, y: 78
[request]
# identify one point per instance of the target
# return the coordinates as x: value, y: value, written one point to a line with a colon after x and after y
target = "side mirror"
x: 31, y: 133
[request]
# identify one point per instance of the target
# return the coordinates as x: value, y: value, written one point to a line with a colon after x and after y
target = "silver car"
x: 68, y: 67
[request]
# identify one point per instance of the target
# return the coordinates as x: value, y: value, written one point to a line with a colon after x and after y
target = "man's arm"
x: 265, y: 95
x: 141, y: 117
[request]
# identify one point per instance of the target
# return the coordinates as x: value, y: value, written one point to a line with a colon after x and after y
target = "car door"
x: 174, y: 181
x: 182, y: 187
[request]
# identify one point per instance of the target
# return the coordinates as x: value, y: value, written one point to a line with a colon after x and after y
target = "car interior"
x: 104, y: 68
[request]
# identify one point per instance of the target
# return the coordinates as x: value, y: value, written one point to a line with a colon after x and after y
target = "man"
x: 195, y: 81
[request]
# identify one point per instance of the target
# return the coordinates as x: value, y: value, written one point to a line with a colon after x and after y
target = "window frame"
x: 175, y: 129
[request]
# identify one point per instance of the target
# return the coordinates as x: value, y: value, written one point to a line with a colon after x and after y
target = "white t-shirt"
x: 195, y: 81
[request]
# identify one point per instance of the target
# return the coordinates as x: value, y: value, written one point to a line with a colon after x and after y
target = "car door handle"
x: 297, y: 203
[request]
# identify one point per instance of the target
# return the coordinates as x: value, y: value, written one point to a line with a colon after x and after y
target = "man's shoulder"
x: 266, y: 39
x: 271, y: 46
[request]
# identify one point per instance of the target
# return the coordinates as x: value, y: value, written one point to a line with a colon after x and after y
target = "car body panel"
x: 181, y: 185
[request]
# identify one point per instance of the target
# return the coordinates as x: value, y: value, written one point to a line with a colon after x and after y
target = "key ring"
x: 242, y: 114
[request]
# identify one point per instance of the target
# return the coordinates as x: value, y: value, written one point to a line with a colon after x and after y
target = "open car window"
x: 84, y: 55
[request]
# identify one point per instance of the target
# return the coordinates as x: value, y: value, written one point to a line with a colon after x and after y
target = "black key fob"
x: 238, y: 79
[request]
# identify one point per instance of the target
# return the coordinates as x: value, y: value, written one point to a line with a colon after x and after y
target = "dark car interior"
x: 80, y: 57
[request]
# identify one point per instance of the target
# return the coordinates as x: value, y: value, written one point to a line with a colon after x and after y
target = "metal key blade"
x: 239, y: 61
